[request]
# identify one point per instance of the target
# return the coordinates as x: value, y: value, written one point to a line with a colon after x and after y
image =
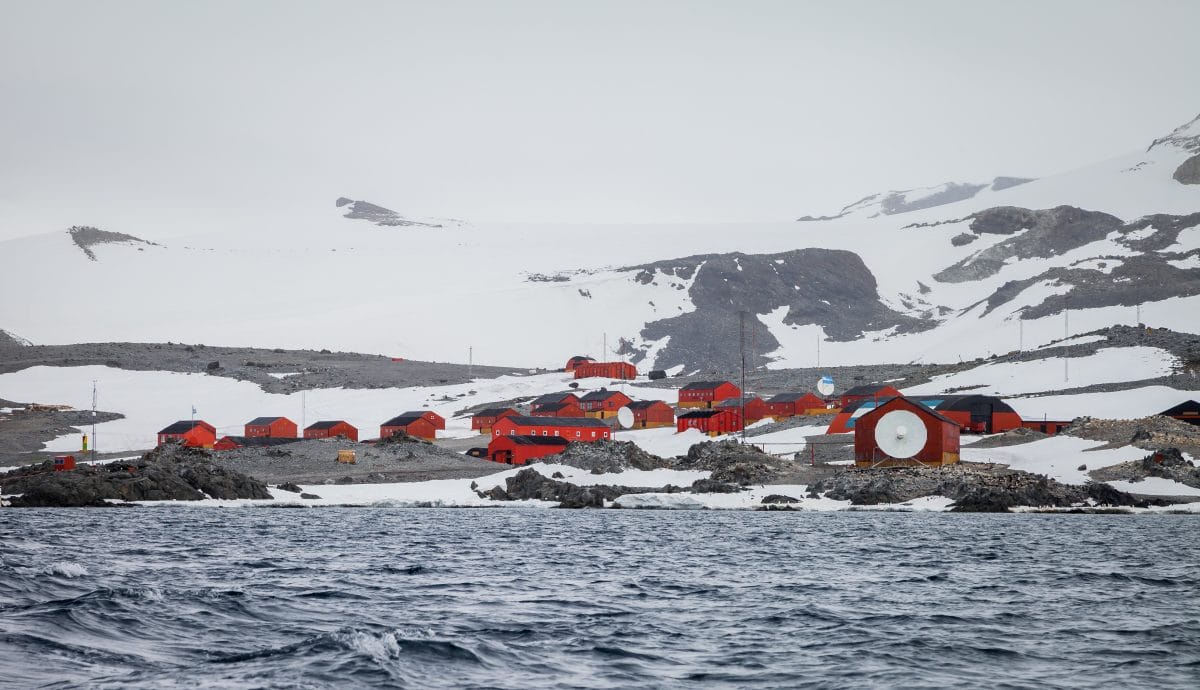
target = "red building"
x: 796, y: 404
x: 941, y: 437
x: 331, y: 430
x: 584, y: 429
x: 437, y: 420
x: 64, y: 463
x: 485, y: 419
x: 271, y: 427
x: 563, y: 409
x: 232, y: 442
x: 707, y: 393
x: 714, y: 422
x: 1187, y: 411
x: 577, y: 360
x: 519, y: 450
x: 604, y: 403
x: 756, y: 409
x: 651, y: 414
x: 612, y: 370
x: 414, y: 424
x: 975, y: 414
x: 871, y: 392
x: 194, y: 434
x: 1050, y: 427
x: 552, y: 399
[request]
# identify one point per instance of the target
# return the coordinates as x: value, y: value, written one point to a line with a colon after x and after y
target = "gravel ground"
x: 314, y: 462
x: 23, y: 433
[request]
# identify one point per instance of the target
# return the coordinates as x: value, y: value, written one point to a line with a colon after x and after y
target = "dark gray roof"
x: 403, y: 420
x: 419, y: 413
x: 701, y: 413
x: 791, y: 397
x: 182, y: 427
x: 869, y: 389
x: 737, y: 402
x: 324, y: 425
x: 916, y: 402
x: 703, y: 385
x: 643, y: 404
x: 493, y: 411
x: 1185, y: 406
x: 557, y: 421
x: 554, y: 407
x: 602, y: 394
x: 263, y: 421
x: 551, y: 398
x: 538, y: 440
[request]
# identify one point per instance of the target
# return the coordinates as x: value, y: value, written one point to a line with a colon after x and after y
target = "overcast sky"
x: 572, y: 111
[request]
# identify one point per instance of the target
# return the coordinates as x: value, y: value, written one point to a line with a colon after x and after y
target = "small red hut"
x: 756, y: 409
x: 651, y: 414
x: 332, y: 429
x: 909, y: 419
x: 271, y: 427
x: 795, y: 404
x: 519, y: 450
x: 412, y: 423
x: 612, y: 370
x: 707, y: 393
x: 604, y: 403
x: 484, y: 420
x: 712, y: 422
x: 194, y: 434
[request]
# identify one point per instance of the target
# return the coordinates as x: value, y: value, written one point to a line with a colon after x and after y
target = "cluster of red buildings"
x: 270, y: 431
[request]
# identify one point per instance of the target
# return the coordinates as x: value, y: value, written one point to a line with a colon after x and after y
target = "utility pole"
x: 94, y: 421
x: 1066, y: 333
x: 1020, y: 334
x: 818, y: 349
x: 470, y: 362
x: 303, y: 410
x: 604, y: 348
x: 742, y: 350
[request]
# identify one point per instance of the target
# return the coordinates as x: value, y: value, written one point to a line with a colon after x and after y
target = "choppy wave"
x: 435, y: 598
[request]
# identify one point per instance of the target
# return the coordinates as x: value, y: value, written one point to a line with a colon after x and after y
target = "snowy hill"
x: 985, y: 274
x: 905, y: 200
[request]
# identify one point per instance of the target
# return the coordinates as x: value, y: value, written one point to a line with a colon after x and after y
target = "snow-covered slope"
x: 940, y: 283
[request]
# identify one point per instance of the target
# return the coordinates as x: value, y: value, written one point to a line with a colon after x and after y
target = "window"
x: 593, y: 434
x: 576, y: 434
x: 544, y: 432
x: 556, y: 432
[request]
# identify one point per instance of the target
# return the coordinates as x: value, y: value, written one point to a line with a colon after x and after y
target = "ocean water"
x: 170, y: 597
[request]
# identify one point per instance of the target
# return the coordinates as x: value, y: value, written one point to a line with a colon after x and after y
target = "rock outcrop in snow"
x: 384, y: 217
x: 903, y: 201
x: 86, y: 237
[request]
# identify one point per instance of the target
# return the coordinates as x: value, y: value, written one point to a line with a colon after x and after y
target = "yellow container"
x: 347, y: 457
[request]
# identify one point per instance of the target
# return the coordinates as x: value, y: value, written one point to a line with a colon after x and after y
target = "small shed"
x: 941, y: 437
x: 519, y: 450
x: 612, y: 370
x: 271, y: 427
x: 786, y: 405
x: 867, y: 392
x: 484, y: 420
x: 414, y: 424
x: 576, y: 361
x: 707, y: 393
x: 552, y: 399
x: 714, y: 422
x: 604, y: 403
x: 756, y: 409
x: 651, y: 414
x: 331, y: 429
x: 1187, y: 411
x: 195, y: 434
x: 563, y: 409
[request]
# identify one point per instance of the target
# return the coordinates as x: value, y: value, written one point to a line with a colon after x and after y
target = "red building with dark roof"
x: 651, y: 414
x: 563, y: 409
x: 796, y: 404
x: 331, y: 429
x: 1186, y: 411
x: 603, y: 403
x: 583, y: 429
x: 519, y: 450
x: 612, y: 370
x: 868, y: 392
x: 707, y: 393
x: 483, y: 420
x: 756, y: 409
x: 414, y: 424
x: 194, y: 434
x: 552, y: 399
x: 576, y: 361
x: 941, y: 437
x: 271, y: 427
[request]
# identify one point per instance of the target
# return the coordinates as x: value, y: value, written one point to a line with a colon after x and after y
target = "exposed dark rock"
x: 85, y: 237
x: 963, y: 239
x: 169, y: 473
x: 606, y: 456
x: 712, y: 486
x: 1189, y: 171
x: 531, y: 484
x: 310, y: 497
x: 779, y: 498
x: 363, y: 210
x: 289, y: 486
x: 731, y: 462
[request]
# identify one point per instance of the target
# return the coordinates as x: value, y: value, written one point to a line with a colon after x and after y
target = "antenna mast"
x: 93, y: 420
x: 742, y: 349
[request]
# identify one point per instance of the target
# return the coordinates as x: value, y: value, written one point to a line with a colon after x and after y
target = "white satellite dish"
x: 900, y: 434
x: 825, y: 385
x: 625, y: 417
